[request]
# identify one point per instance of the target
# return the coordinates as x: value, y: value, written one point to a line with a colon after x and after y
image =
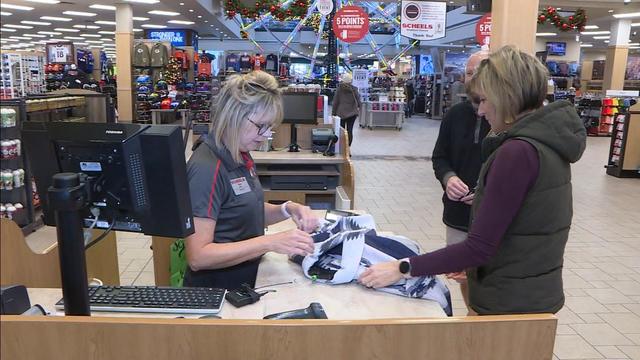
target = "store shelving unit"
x: 624, y: 151
x: 589, y: 110
x: 22, y: 75
x: 15, y: 195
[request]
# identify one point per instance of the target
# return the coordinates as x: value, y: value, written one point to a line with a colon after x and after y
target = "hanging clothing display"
x: 272, y: 63
x: 346, y: 248
x: 141, y: 56
x: 232, y: 62
x: 159, y: 55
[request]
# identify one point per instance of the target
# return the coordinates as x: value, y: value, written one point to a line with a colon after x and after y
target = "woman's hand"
x: 468, y: 199
x: 303, y: 216
x: 292, y: 242
x: 456, y: 188
x: 381, y: 275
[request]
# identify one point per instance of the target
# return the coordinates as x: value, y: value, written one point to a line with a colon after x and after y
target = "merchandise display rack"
x: 625, y: 143
x: 589, y: 110
x: 22, y: 75
x: 16, y: 191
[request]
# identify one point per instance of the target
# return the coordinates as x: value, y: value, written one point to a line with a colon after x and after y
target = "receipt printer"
x: 323, y: 138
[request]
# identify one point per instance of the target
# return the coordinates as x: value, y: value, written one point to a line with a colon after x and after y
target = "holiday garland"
x: 577, y: 21
x: 297, y: 10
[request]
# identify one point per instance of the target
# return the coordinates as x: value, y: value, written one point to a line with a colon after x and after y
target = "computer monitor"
x: 556, y: 48
x: 136, y: 173
x: 299, y: 108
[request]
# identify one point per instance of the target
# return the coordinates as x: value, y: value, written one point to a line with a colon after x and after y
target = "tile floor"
x: 395, y: 183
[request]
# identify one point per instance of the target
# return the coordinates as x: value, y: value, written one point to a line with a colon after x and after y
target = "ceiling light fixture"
x: 144, y: 1
x: 592, y: 27
x: 610, y: 10
x: 91, y: 35
x: 18, y: 26
x: 34, y: 35
x: 67, y: 30
x: 79, y: 13
x: 163, y: 13
x: 55, y: 18
x: 101, y: 22
x: 604, y: 37
x: 45, y: 1
x: 103, y: 7
x: 15, y: 7
x: 5, y: 13
x: 546, y: 34
x: 596, y: 32
x: 137, y: 30
x: 80, y: 43
x: 181, y: 22
x: 79, y: 26
x: 106, y: 39
x: 152, y: 26
x: 199, y: 16
x: 190, y: 10
x: 43, y: 23
x: 627, y: 15
x: 181, y: 4
x: 74, y: 38
x: 49, y: 32
x: 93, y: 41
x: 19, y: 37
x: 138, y: 18
x: 106, y: 32
x: 586, y: 45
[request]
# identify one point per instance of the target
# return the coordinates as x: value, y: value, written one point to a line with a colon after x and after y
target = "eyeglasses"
x: 262, y: 128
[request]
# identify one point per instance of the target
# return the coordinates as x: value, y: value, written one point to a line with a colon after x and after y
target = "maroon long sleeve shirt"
x: 511, y: 176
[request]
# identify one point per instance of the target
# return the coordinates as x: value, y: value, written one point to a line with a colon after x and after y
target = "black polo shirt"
x: 229, y: 193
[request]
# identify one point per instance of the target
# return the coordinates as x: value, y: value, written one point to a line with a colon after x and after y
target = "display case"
x: 624, y: 151
x: 382, y: 114
x: 16, y: 185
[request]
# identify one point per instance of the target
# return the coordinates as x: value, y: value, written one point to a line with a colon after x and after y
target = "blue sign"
x: 176, y: 37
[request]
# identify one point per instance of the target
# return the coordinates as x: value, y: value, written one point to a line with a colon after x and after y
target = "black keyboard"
x: 153, y: 299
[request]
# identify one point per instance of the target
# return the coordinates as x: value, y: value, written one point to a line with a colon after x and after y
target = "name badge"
x: 240, y: 186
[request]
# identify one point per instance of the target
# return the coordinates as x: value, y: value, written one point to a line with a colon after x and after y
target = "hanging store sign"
x: 175, y: 37
x: 360, y: 78
x: 350, y: 24
x: 423, y: 20
x: 483, y: 30
x: 325, y: 7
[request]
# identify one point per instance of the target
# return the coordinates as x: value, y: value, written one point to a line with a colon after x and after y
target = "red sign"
x: 350, y: 24
x: 483, y: 29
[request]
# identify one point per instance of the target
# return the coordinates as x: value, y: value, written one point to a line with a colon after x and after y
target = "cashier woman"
x: 226, y: 196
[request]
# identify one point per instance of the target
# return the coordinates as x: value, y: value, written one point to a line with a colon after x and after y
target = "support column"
x: 617, y: 52
x: 514, y: 22
x: 97, y: 64
x: 124, y: 50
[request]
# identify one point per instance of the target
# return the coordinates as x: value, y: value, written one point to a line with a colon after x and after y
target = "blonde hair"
x: 241, y: 97
x: 512, y: 81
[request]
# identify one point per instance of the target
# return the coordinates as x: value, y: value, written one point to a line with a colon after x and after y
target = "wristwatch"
x: 405, y: 267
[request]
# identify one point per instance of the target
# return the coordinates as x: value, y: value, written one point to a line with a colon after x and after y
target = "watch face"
x: 405, y: 267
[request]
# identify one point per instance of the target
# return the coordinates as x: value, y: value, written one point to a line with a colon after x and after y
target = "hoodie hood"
x: 556, y: 125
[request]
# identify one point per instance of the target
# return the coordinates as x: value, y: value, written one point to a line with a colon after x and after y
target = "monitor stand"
x: 67, y: 196
x: 293, y: 145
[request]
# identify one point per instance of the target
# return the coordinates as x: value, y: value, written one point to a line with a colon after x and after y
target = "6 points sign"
x: 423, y: 20
x: 350, y: 24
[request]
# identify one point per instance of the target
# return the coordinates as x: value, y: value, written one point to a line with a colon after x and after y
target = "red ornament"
x: 565, y: 26
x: 272, y: 9
x: 551, y: 10
x: 542, y: 18
x: 570, y: 18
x: 231, y: 13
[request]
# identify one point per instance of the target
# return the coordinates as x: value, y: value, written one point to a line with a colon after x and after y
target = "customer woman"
x: 346, y: 104
x: 226, y: 196
x: 522, y: 209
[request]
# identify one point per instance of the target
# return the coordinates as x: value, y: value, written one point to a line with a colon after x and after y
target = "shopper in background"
x: 523, y: 205
x: 346, y: 104
x: 456, y: 163
x: 409, y: 92
x: 226, y: 196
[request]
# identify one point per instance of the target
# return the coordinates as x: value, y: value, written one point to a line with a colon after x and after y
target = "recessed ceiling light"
x: 206, y: 21
x: 45, y: 1
x: 106, y: 32
x: 603, y: 37
x: 137, y: 30
x: 138, y: 18
x: 212, y: 25
x: 34, y: 35
x: 15, y: 7
x: 164, y: 13
x: 49, y: 32
x: 627, y: 15
x: 79, y: 13
x: 5, y: 13
x: 103, y: 7
x: 144, y: 1
x: 106, y: 39
x: 95, y: 47
x: 109, y: 45
x: 79, y: 26
x: 606, y: 32
x: 55, y: 18
x: 18, y: 26
x: 67, y: 30
x: 181, y: 22
x: 606, y: 41
x: 152, y: 26
x: 591, y: 27
x: 73, y: 38
x: 93, y: 41
x: 80, y: 43
x: 101, y: 22
x: 190, y: 10
x: 586, y: 45
x: 91, y: 35
x: 635, y: 24
x: 181, y: 4
x: 559, y: 8
x: 19, y: 37
x: 546, y: 34
x: 43, y: 23
x: 610, y: 10
x: 10, y: 40
x: 199, y: 16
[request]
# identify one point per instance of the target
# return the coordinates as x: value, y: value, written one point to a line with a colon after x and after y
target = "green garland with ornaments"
x: 576, y: 22
x: 296, y: 11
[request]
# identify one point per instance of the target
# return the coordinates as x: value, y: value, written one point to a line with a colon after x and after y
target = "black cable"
x: 276, y: 284
x: 101, y: 236
x: 263, y: 293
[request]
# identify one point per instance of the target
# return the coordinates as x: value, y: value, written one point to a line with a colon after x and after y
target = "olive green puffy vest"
x: 525, y: 275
